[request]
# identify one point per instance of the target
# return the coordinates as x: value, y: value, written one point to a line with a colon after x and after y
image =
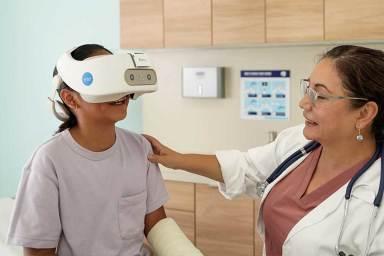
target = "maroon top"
x: 287, y: 203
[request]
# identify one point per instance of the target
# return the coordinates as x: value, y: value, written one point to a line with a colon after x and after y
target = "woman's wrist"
x: 180, y: 161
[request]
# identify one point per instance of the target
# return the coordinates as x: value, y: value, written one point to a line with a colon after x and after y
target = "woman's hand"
x: 204, y: 165
x: 162, y: 154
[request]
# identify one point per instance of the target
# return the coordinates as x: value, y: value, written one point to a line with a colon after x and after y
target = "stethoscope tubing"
x: 379, y: 195
x: 291, y: 159
x: 376, y: 203
x: 313, y: 145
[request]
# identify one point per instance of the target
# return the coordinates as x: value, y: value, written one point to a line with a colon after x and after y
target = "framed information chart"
x: 264, y: 94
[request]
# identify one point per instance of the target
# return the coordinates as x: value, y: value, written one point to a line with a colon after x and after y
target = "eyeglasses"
x: 314, y: 95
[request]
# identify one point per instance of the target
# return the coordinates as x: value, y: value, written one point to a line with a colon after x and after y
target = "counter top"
x: 183, y: 176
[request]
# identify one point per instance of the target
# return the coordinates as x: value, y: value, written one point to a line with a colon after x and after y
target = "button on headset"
x: 132, y: 77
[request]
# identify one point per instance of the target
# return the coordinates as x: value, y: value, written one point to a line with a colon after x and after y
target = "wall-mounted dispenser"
x: 203, y: 82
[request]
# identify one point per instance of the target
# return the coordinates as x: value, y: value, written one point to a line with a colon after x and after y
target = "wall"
x: 33, y: 35
x: 206, y: 125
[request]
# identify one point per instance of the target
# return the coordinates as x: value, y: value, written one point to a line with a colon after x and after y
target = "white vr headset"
x: 103, y: 78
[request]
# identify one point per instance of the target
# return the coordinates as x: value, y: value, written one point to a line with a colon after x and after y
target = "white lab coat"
x: 317, y: 232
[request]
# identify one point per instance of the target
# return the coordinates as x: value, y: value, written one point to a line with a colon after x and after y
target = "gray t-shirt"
x: 87, y: 203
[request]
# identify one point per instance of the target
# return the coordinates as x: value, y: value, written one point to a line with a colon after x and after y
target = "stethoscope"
x: 377, y: 202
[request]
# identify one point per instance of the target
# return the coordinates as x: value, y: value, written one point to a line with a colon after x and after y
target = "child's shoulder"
x: 132, y: 138
x: 46, y: 150
x: 50, y: 144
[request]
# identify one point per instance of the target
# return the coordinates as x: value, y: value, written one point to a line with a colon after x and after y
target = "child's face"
x: 109, y: 112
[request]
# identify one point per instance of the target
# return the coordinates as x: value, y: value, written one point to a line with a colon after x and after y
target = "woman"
x: 302, y: 208
x: 89, y: 190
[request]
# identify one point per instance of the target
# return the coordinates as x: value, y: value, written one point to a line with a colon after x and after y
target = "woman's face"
x: 328, y: 120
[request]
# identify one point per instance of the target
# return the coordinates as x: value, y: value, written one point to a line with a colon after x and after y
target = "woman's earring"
x: 359, y: 137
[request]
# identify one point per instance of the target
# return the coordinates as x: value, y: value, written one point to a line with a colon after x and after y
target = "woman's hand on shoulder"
x: 162, y: 154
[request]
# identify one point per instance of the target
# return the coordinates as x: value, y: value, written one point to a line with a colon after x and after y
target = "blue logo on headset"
x: 87, y: 79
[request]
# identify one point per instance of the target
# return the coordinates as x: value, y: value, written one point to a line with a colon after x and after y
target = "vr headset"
x: 103, y: 78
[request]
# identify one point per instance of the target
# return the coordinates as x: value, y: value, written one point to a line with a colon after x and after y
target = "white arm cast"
x: 167, y: 239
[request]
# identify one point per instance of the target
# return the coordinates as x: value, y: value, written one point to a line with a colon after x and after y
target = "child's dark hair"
x: 80, y: 53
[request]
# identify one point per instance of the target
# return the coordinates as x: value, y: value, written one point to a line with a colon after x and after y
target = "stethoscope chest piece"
x: 260, y: 188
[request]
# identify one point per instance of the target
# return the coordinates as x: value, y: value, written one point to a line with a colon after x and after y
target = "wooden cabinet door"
x: 181, y: 206
x: 181, y: 196
x: 294, y: 20
x: 223, y: 227
x: 238, y: 22
x: 354, y: 19
x: 187, y: 23
x: 258, y: 241
x: 185, y: 220
x: 141, y: 24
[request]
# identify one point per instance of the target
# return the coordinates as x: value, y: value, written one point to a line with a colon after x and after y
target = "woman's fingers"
x: 153, y: 159
x: 151, y: 139
x: 156, y: 145
x: 161, y: 154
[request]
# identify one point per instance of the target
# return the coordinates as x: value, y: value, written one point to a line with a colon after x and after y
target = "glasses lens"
x: 304, y: 84
x: 312, y: 94
x: 306, y: 90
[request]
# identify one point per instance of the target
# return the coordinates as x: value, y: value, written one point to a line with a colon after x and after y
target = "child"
x: 90, y: 189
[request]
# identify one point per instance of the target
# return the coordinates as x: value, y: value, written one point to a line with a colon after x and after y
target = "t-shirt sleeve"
x: 157, y: 194
x: 35, y: 221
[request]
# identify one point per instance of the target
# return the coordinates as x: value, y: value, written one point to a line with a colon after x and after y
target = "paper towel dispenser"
x: 203, y: 82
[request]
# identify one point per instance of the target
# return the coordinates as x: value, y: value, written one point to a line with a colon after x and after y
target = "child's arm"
x: 166, y: 237
x: 39, y: 252
x: 152, y: 218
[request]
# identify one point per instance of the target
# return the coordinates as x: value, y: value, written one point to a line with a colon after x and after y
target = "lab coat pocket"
x: 357, y: 222
x: 131, y: 211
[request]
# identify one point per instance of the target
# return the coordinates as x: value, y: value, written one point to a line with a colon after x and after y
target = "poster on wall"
x: 264, y: 94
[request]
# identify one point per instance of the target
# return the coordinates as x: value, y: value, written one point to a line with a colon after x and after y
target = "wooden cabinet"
x: 141, y: 24
x: 186, y: 221
x: 258, y: 241
x: 202, y: 23
x: 181, y: 206
x: 223, y: 227
x: 354, y: 19
x: 217, y: 226
x: 181, y: 196
x: 187, y: 23
x: 294, y: 20
x: 238, y: 22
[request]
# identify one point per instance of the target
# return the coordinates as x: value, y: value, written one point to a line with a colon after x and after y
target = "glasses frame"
x: 314, y: 95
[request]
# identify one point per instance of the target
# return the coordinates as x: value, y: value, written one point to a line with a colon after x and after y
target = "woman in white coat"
x: 304, y: 210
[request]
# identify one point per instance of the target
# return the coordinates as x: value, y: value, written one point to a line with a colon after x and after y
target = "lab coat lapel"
x: 320, y: 212
x: 285, y: 173
x: 260, y: 221
x: 330, y: 205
